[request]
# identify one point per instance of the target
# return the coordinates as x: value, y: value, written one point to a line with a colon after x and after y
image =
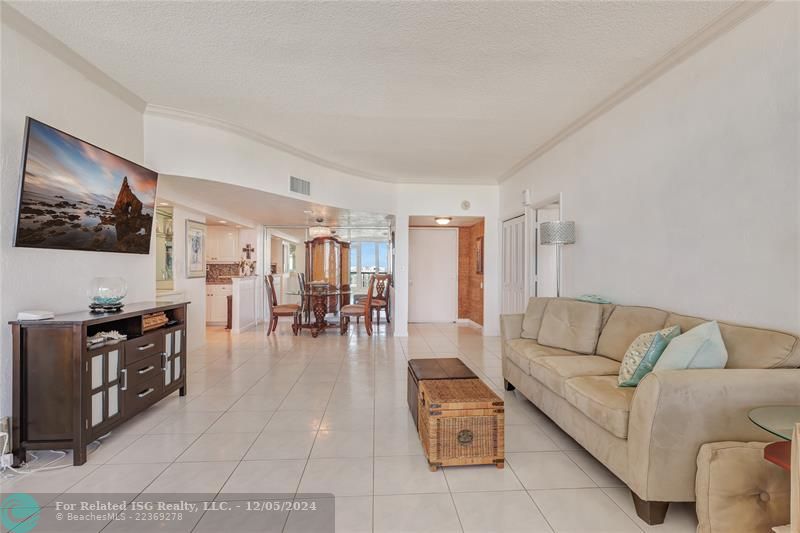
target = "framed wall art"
x: 195, y: 249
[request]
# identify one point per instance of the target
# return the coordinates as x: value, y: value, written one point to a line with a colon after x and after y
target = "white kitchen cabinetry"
x: 222, y: 245
x: 217, y: 303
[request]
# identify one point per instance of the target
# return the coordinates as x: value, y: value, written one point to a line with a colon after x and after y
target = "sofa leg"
x: 508, y: 386
x: 653, y: 513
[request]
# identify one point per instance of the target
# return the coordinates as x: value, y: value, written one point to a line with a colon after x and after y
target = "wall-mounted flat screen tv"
x: 76, y: 196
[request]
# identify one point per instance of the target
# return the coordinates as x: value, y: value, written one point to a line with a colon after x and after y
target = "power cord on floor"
x: 10, y: 472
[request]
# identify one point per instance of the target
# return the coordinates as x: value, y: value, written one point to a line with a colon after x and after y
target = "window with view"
x: 367, y: 258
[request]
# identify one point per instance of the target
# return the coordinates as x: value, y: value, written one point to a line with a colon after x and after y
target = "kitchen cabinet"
x: 222, y: 245
x: 217, y: 303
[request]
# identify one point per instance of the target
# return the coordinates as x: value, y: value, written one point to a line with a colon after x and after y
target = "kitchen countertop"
x: 220, y: 282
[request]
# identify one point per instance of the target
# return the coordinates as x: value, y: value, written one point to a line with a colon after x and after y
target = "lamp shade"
x: 557, y: 232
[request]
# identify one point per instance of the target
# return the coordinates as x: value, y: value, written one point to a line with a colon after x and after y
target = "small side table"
x: 780, y: 421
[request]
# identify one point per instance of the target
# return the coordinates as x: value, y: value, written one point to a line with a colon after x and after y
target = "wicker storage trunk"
x: 461, y: 422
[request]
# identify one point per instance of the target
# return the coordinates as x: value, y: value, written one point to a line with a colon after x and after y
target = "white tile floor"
x: 297, y: 414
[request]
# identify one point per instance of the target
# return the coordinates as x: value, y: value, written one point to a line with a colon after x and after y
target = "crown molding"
x: 731, y: 18
x: 46, y: 41
x: 205, y: 120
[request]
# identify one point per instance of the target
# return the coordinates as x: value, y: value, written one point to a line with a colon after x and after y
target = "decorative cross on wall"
x: 248, y: 250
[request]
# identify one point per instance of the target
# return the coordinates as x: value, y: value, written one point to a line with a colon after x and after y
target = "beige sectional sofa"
x: 564, y: 356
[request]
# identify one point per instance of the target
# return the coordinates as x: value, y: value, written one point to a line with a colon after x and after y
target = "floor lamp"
x: 557, y: 232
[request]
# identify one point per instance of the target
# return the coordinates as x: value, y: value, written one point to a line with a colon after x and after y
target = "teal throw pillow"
x: 642, y: 355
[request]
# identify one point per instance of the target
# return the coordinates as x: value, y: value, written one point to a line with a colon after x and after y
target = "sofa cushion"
x: 607, y: 310
x: 750, y: 347
x: 553, y: 372
x: 533, y: 317
x: 523, y: 351
x: 599, y: 398
x: 571, y: 325
x: 624, y: 325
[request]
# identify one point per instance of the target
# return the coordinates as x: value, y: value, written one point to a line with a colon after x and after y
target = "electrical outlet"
x: 6, y: 460
x: 5, y: 427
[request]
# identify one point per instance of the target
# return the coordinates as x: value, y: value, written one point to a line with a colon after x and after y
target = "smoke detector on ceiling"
x: 465, y: 205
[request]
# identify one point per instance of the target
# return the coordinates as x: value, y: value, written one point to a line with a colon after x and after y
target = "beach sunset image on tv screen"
x: 77, y: 196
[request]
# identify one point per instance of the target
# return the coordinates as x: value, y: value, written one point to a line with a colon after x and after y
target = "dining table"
x: 317, y: 306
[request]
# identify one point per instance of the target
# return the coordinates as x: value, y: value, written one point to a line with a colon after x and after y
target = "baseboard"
x: 468, y: 322
x: 238, y: 330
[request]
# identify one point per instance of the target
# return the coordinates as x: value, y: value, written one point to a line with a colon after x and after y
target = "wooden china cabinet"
x: 328, y: 265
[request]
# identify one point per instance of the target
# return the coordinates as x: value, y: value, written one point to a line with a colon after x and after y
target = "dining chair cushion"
x: 285, y: 308
x: 352, y: 309
x: 378, y: 303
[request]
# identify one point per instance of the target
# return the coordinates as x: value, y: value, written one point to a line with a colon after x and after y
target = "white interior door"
x: 514, y: 291
x: 546, y: 263
x: 432, y: 275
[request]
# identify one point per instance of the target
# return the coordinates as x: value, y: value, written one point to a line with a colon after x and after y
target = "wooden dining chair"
x: 380, y: 298
x: 277, y: 311
x: 363, y: 308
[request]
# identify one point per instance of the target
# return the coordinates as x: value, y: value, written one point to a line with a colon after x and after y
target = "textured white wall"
x: 194, y: 289
x: 686, y: 195
x: 37, y: 83
x: 181, y: 146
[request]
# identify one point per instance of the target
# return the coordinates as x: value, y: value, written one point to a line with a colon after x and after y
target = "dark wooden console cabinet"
x: 67, y: 395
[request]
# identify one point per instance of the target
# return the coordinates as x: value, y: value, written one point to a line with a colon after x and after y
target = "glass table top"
x: 777, y: 419
x: 318, y: 292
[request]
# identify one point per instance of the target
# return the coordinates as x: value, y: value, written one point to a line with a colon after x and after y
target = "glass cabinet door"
x: 168, y: 353
x: 174, y: 356
x: 179, y: 355
x: 105, y: 382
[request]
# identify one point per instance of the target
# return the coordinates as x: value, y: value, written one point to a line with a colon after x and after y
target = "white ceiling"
x: 220, y: 200
x: 450, y: 92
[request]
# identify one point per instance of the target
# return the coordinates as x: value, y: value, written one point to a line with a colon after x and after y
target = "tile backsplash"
x: 218, y: 272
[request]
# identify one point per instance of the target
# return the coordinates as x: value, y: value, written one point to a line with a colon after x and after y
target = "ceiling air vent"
x: 299, y: 186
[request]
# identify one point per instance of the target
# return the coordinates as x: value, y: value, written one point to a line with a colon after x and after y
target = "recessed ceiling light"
x: 222, y: 221
x: 163, y: 203
x: 443, y: 221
